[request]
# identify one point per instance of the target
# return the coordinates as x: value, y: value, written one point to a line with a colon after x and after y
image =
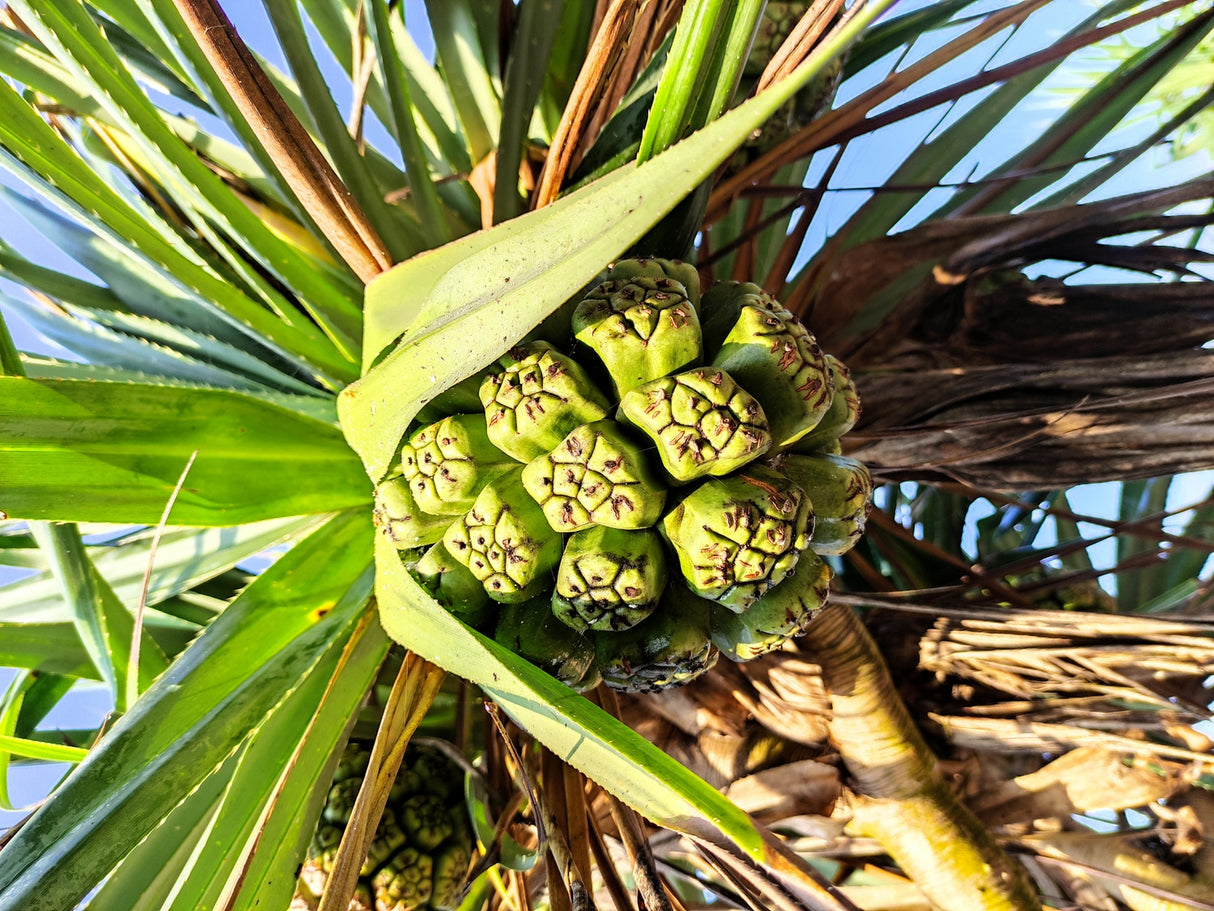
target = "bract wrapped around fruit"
x: 651, y: 495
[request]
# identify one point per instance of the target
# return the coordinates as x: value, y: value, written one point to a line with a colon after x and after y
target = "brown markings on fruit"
x: 656, y: 397
x: 779, y: 500
x: 789, y: 356
x: 682, y: 442
x: 812, y: 388
x: 752, y: 440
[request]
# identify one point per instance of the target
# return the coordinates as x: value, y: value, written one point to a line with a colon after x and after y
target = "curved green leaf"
x: 582, y: 734
x: 222, y: 688
x: 184, y: 558
x: 37, y: 749
x: 105, y: 627
x: 112, y: 452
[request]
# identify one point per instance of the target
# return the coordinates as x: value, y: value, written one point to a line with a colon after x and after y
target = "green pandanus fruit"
x: 448, y: 463
x: 784, y: 612
x: 642, y: 328
x: 530, y: 630
x: 842, y: 415
x: 596, y: 476
x: 609, y: 579
x: 537, y: 397
x: 774, y: 357
x: 423, y: 844
x: 672, y: 645
x: 505, y: 540
x: 702, y: 422
x: 635, y: 517
x: 739, y: 536
x: 842, y: 492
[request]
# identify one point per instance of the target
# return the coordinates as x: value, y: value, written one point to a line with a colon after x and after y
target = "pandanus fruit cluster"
x: 648, y: 483
x: 423, y: 844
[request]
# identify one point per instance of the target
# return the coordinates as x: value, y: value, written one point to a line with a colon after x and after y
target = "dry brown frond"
x: 1027, y: 426
x: 1083, y: 667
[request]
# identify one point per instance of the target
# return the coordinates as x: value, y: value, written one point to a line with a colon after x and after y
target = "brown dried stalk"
x: 318, y: 188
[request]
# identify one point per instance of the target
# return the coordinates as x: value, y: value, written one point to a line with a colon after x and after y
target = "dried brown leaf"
x: 1089, y: 778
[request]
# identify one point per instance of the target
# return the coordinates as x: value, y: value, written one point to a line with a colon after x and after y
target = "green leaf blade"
x: 112, y: 452
x: 602, y: 747
x: 247, y: 662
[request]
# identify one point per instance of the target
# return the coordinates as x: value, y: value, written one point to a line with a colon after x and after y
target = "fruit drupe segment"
x: 702, y: 422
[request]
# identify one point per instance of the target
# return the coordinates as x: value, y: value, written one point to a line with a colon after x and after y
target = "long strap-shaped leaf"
x: 353, y: 207
x: 404, y: 125
x: 66, y: 29
x: 224, y: 686
x: 105, y: 626
x: 35, y: 153
x: 458, y: 41
x: 185, y: 557
x: 112, y: 452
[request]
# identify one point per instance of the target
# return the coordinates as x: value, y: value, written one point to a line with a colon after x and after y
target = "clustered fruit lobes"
x: 636, y: 535
x: 423, y: 844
